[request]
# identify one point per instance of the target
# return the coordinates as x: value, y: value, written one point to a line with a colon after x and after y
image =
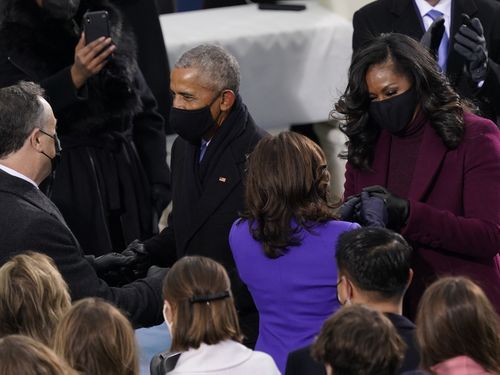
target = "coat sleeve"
x: 141, y: 300
x: 162, y: 246
x: 59, y: 88
x: 476, y: 232
x: 149, y: 136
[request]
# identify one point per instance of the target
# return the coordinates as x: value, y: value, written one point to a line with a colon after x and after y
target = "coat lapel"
x: 378, y: 173
x: 220, y: 182
x: 429, y: 160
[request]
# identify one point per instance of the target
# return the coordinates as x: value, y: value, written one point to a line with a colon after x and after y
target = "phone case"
x: 96, y: 25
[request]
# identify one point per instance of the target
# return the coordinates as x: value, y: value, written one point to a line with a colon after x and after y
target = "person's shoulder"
x: 240, y: 230
x: 375, y: 6
x: 476, y: 126
x: 263, y: 363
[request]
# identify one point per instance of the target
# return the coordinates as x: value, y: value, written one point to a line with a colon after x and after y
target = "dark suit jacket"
x: 454, y: 218
x: 300, y: 361
x: 30, y: 221
x: 402, y: 16
x: 205, y: 208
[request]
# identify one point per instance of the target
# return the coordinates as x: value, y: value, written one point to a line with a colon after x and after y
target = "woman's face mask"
x: 395, y: 114
x: 60, y: 9
x: 393, y: 96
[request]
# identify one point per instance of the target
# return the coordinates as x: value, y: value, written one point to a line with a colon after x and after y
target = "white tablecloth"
x: 293, y: 64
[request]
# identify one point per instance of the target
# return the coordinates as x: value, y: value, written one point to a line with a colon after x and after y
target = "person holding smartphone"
x: 113, y: 181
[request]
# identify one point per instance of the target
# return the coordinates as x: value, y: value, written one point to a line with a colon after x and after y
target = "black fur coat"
x: 41, y: 47
x: 112, y: 136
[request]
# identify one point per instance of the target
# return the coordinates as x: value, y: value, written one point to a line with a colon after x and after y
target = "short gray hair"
x: 218, y: 67
x: 21, y: 111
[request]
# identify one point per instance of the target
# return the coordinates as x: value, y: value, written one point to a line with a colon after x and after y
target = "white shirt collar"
x: 15, y: 173
x: 444, y: 6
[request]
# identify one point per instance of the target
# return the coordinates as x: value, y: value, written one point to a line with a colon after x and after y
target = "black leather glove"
x: 141, y: 260
x: 349, y: 211
x: 432, y: 37
x: 470, y: 43
x: 397, y: 208
x: 160, y: 196
x: 111, y: 262
x: 373, y: 211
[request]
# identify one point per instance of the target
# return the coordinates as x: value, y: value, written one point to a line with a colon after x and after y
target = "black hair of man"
x: 375, y: 260
x: 20, y: 112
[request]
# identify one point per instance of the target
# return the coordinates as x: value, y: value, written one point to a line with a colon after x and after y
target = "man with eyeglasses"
x: 29, y: 152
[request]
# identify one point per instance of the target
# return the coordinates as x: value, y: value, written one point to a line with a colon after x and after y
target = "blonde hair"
x: 456, y: 318
x: 24, y: 355
x: 198, y: 290
x: 96, y: 338
x: 33, y: 296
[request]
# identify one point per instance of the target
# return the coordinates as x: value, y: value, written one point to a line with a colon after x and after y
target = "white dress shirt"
x: 14, y: 173
x: 443, y: 6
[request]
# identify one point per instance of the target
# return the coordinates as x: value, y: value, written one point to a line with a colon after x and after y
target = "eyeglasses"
x: 55, y: 138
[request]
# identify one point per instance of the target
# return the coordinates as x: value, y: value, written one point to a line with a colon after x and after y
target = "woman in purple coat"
x: 413, y: 143
x: 284, y: 247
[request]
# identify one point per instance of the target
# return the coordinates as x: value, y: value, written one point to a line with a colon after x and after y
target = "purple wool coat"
x: 454, y: 196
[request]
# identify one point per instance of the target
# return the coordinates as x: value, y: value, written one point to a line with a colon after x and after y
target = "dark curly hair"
x: 287, y: 181
x: 439, y: 102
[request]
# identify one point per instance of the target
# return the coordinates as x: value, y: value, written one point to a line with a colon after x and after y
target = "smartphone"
x: 96, y: 25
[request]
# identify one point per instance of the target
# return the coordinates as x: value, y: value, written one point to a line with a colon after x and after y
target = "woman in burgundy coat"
x: 434, y: 166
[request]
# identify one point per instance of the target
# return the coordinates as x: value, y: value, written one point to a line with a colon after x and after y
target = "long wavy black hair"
x: 286, y: 190
x: 439, y: 102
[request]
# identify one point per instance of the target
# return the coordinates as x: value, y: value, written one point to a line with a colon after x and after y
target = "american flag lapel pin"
x: 222, y: 179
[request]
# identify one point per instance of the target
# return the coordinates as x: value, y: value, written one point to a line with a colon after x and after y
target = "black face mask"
x: 57, y: 156
x: 394, y: 114
x: 192, y: 124
x: 61, y: 9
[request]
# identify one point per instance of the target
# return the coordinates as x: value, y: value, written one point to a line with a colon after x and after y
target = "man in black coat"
x: 29, y: 151
x: 475, y: 76
x: 373, y: 270
x: 216, y: 133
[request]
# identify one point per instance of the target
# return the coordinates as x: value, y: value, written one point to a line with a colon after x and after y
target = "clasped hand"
x: 376, y: 207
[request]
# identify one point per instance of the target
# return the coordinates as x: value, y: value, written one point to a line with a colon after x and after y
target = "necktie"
x: 443, y: 47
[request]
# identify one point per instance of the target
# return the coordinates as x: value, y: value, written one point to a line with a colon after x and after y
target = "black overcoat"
x: 207, y: 199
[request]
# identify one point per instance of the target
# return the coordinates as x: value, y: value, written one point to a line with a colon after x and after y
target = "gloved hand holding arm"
x: 350, y: 209
x: 373, y: 211
x: 397, y: 208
